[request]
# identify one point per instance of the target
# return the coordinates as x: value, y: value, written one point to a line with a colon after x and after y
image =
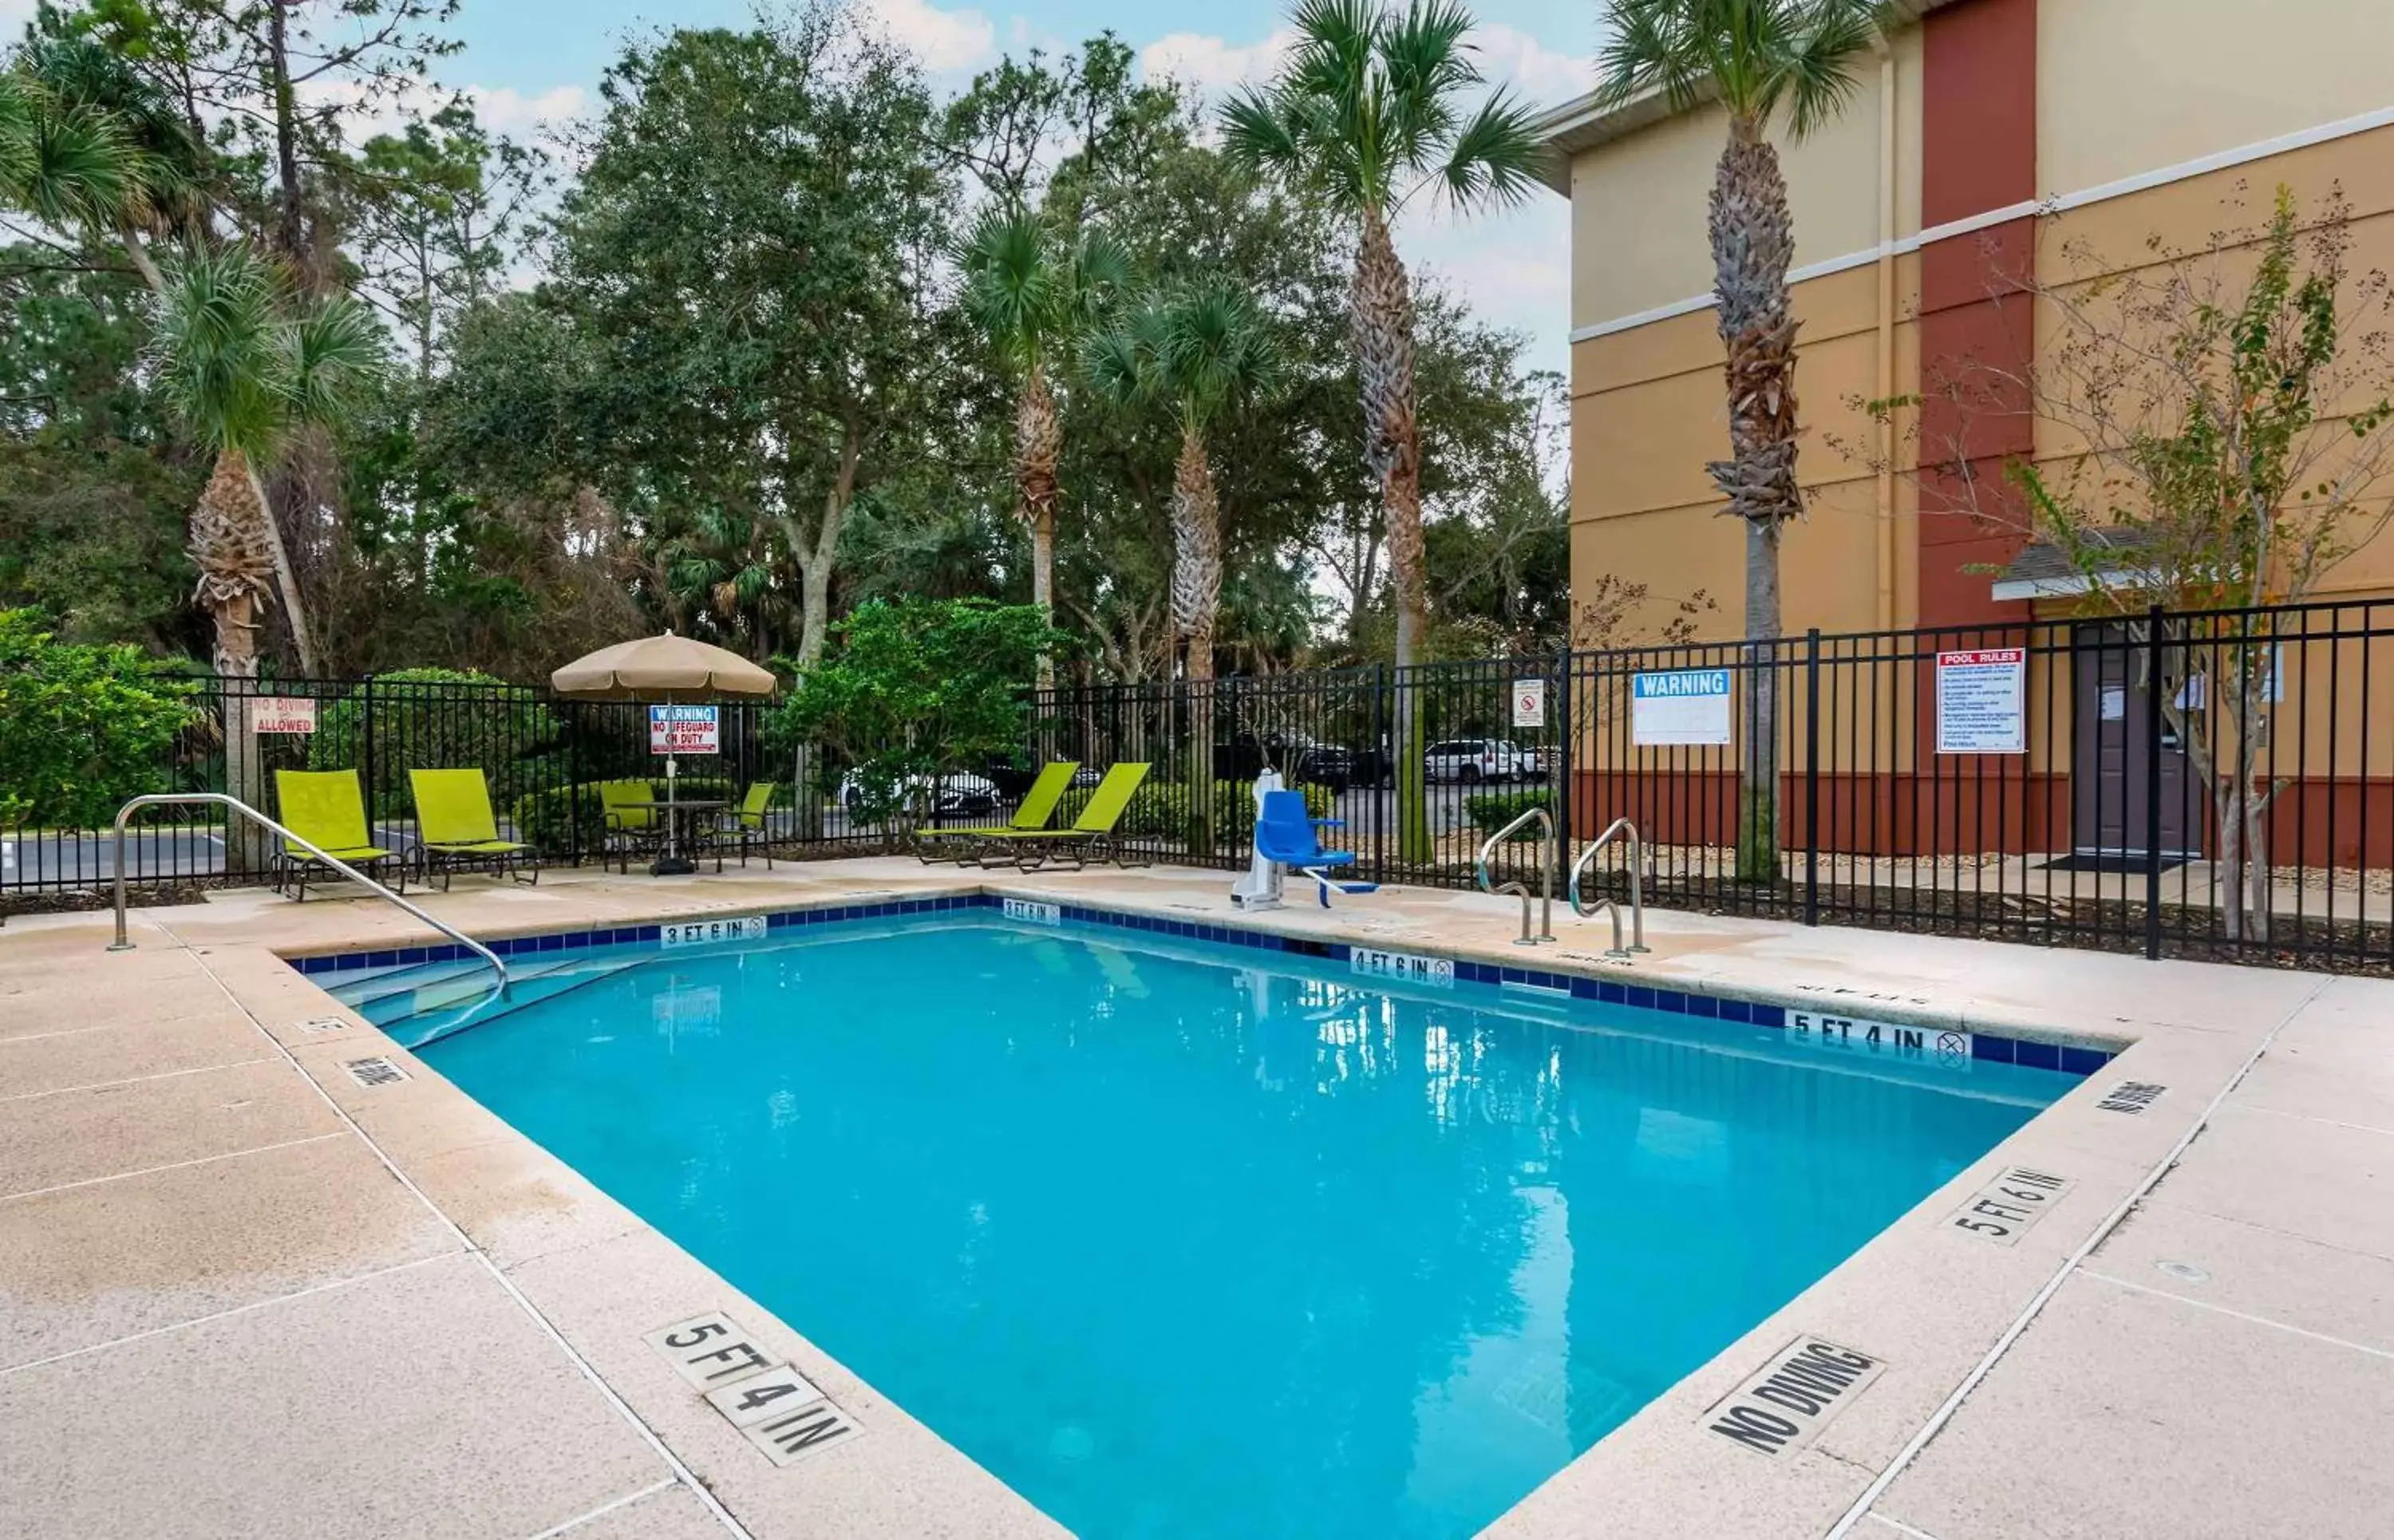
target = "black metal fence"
x: 544, y: 758
x: 2214, y: 784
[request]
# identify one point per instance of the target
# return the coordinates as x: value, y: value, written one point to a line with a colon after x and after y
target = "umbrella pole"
x: 672, y: 864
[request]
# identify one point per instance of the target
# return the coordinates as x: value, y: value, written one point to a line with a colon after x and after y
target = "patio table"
x: 676, y: 815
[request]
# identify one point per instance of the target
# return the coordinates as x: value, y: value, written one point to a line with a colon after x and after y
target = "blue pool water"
x: 1183, y: 1241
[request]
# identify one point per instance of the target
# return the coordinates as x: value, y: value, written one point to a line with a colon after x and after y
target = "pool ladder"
x: 1546, y: 874
x: 1619, y: 829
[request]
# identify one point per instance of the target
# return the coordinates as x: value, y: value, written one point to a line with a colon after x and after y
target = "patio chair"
x: 327, y: 809
x: 627, y: 829
x: 747, y: 825
x: 1286, y: 833
x: 1090, y: 836
x: 1038, y: 806
x: 455, y: 830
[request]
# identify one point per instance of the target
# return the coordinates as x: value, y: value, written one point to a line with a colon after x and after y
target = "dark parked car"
x: 1296, y: 757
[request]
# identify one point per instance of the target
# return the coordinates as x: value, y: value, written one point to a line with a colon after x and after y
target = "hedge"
x: 469, y: 721
x: 81, y: 727
x: 1491, y: 811
x: 1159, y: 810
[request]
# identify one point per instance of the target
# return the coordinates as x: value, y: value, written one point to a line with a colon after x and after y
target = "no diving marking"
x: 2131, y: 1096
x: 1783, y: 1407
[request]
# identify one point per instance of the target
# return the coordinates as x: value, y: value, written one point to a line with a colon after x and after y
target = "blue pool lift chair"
x: 1285, y: 834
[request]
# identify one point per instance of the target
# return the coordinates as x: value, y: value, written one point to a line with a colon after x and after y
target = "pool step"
x: 470, y: 1004
x: 390, y: 996
x: 380, y: 984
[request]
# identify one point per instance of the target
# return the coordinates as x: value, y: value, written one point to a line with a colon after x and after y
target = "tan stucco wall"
x: 2116, y: 235
x: 1647, y: 414
x: 1647, y: 409
x: 1637, y: 204
x: 2126, y: 86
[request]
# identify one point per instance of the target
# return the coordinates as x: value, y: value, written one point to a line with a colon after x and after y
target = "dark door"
x: 2110, y: 778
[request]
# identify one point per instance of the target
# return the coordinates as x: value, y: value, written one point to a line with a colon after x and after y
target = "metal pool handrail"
x: 237, y: 805
x: 1613, y: 831
x: 1546, y: 874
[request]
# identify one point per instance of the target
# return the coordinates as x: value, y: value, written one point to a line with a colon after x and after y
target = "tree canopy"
x: 739, y: 353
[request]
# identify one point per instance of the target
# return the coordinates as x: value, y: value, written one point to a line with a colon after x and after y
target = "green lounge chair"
x: 1091, y: 835
x: 748, y: 824
x: 326, y: 809
x: 1038, y: 806
x: 625, y: 828
x: 456, y: 831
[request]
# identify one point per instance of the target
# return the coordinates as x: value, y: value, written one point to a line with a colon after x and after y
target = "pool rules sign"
x: 1983, y: 701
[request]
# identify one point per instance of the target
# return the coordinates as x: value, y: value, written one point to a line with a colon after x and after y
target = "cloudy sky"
x: 528, y: 60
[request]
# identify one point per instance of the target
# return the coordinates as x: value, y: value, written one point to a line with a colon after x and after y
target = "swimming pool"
x: 1182, y: 1240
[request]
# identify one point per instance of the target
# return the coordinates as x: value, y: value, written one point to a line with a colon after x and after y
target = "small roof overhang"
x: 2045, y: 571
x: 1581, y: 125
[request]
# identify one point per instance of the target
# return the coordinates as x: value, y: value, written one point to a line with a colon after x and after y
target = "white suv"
x: 1480, y: 759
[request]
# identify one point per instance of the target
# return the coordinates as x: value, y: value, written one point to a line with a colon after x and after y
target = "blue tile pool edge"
x: 2073, y: 1058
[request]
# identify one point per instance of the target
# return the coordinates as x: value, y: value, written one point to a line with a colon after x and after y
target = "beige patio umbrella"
x: 665, y: 670
x: 659, y: 669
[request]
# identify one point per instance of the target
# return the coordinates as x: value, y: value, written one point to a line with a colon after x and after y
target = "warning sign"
x: 685, y: 729
x: 1983, y: 701
x: 282, y: 714
x: 1679, y: 705
x: 1529, y: 702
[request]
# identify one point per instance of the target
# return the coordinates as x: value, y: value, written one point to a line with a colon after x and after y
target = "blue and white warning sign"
x: 1679, y: 705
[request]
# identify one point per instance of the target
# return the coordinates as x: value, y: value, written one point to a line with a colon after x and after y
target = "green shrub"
x: 546, y: 818
x: 437, y: 718
x: 82, y: 728
x: 1491, y: 811
x: 1159, y: 810
x: 917, y: 687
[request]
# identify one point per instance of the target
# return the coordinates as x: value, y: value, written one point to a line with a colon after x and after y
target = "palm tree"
x: 1198, y: 351
x: 89, y: 149
x: 724, y: 567
x: 1033, y: 292
x: 93, y: 93
x: 1366, y: 111
x: 1759, y: 59
x: 244, y: 363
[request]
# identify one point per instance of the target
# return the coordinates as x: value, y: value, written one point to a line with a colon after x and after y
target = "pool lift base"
x: 1279, y: 850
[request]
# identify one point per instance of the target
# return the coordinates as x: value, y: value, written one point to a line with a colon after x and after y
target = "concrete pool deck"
x: 244, y: 1294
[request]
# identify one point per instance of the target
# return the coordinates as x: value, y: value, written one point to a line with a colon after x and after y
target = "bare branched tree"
x: 2221, y: 436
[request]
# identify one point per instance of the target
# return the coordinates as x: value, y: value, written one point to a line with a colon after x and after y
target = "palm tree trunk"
x: 1196, y: 598
x: 1382, y: 321
x: 1753, y: 242
x: 229, y: 549
x: 286, y: 580
x: 1038, y: 445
